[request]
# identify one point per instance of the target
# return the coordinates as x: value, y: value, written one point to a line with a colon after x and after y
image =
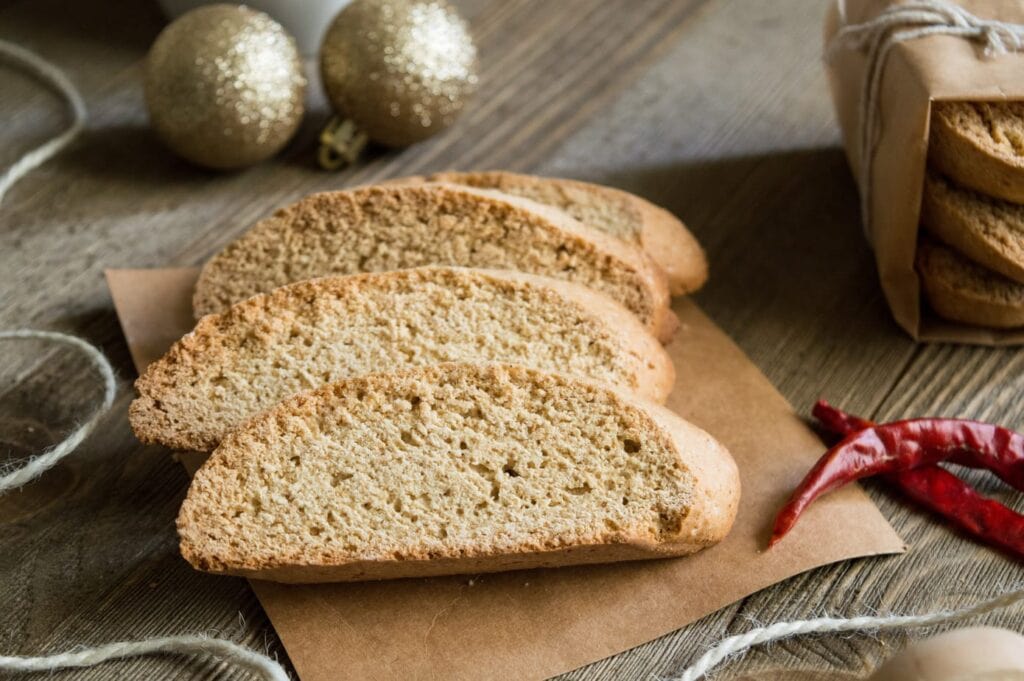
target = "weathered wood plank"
x: 754, y: 168
x: 123, y: 200
x: 715, y: 108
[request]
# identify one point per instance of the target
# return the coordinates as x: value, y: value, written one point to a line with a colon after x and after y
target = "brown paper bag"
x: 538, y: 623
x: 917, y: 73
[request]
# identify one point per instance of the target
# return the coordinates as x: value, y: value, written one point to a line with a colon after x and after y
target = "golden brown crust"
x: 960, y: 148
x: 659, y: 374
x: 296, y: 243
x: 988, y: 231
x: 679, y: 252
x: 209, y: 344
x: 706, y: 519
x: 964, y: 292
x: 718, y: 495
x: 664, y: 322
x: 583, y: 554
x: 660, y: 233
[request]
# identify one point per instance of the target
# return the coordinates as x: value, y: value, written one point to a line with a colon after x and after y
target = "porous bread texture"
x: 380, y: 228
x: 980, y: 145
x: 965, y: 292
x: 298, y: 337
x: 988, y: 231
x: 455, y: 469
x: 623, y: 215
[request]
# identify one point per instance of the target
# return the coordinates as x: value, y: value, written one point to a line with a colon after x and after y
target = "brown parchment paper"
x: 535, y: 624
x: 917, y: 73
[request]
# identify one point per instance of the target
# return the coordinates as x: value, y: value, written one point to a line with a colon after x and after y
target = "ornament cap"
x: 341, y: 142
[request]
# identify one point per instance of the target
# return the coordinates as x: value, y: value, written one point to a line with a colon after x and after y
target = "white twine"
x: 38, y: 465
x: 228, y: 651
x: 54, y: 77
x: 898, y: 24
x: 743, y: 642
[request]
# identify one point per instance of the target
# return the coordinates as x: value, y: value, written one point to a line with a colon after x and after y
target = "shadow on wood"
x: 117, y: 25
x: 784, y: 240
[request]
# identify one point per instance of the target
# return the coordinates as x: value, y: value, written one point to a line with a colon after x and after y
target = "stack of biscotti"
x: 971, y: 261
x: 402, y: 225
x: 428, y: 377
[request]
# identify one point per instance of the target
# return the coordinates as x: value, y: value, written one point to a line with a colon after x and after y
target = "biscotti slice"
x: 455, y: 469
x: 626, y: 216
x: 965, y: 292
x: 374, y: 229
x: 988, y: 231
x: 980, y: 145
x: 298, y: 337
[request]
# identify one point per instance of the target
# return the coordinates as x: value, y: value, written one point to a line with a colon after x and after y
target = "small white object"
x: 744, y: 642
x: 971, y: 654
x: 306, y: 20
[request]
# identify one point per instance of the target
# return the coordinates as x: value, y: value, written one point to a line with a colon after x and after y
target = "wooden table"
x: 716, y: 109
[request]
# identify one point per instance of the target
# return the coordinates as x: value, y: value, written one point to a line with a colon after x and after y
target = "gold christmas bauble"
x: 400, y: 70
x: 224, y: 86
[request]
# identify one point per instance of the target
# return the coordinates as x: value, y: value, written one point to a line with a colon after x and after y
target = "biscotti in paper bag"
x: 915, y: 74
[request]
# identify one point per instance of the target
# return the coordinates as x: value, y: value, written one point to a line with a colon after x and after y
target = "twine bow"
x: 898, y: 24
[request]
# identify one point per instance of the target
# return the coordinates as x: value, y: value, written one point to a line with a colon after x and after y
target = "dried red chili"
x: 906, y: 451
x: 989, y: 447
x: 940, y: 491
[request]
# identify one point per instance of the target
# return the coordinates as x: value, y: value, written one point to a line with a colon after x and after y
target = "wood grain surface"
x: 716, y: 109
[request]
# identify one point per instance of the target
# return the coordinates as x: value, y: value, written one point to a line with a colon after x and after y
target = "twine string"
x: 55, y: 78
x: 38, y: 465
x: 228, y: 651
x: 899, y: 24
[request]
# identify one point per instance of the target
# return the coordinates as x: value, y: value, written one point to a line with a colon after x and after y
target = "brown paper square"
x: 535, y: 624
x: 917, y: 73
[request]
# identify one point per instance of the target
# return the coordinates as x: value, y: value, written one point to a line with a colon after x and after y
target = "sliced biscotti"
x: 455, y: 469
x: 988, y: 231
x: 626, y: 216
x: 373, y: 229
x: 272, y: 346
x: 980, y: 145
x: 965, y: 292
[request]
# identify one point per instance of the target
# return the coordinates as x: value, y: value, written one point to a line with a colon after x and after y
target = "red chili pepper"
x: 898, y: 446
x: 976, y: 444
x: 906, y: 452
x: 937, y: 489
x: 945, y: 494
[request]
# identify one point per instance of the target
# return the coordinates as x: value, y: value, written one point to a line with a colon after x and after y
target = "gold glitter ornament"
x: 224, y: 86
x: 399, y: 71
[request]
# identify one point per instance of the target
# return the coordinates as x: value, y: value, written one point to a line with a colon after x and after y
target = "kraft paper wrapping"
x: 535, y: 624
x: 917, y: 73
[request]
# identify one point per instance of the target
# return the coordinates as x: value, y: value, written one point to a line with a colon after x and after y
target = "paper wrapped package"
x: 915, y: 74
